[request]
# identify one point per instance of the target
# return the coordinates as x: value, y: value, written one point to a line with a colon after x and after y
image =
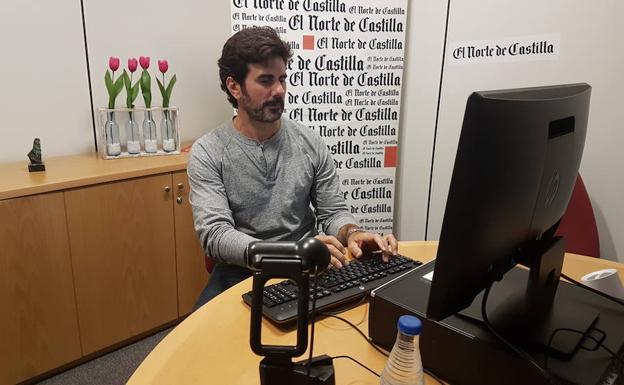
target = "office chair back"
x: 210, y: 263
x: 578, y: 224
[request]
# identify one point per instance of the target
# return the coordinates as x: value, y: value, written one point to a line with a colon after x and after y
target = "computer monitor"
x: 517, y: 161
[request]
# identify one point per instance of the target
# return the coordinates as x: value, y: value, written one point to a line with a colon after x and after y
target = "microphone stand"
x: 291, y: 260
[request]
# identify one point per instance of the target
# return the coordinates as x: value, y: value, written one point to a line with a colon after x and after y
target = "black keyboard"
x: 334, y: 288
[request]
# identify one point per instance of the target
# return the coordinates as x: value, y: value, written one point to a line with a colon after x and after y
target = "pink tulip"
x: 163, y: 66
x: 132, y: 64
x: 144, y: 61
x: 113, y: 63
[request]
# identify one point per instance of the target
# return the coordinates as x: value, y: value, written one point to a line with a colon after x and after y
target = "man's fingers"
x: 331, y: 240
x: 385, y: 250
x: 354, y: 246
x: 335, y: 262
x: 380, y: 242
x: 355, y: 250
x: 337, y: 254
x: 392, y: 243
x: 387, y: 244
x: 336, y: 249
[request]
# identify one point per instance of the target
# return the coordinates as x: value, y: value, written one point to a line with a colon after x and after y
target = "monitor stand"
x: 540, y: 334
x: 532, y: 318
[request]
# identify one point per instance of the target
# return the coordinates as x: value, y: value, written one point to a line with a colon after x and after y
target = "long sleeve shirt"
x: 244, y: 190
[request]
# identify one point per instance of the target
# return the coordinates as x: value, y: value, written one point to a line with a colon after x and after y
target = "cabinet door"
x: 192, y: 274
x: 122, y: 241
x: 39, y: 325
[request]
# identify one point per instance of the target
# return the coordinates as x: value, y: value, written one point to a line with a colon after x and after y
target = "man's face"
x: 263, y: 92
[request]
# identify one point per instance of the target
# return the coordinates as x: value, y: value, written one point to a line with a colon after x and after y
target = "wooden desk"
x: 212, y: 345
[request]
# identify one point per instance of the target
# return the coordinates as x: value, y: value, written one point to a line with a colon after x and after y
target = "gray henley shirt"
x: 244, y: 190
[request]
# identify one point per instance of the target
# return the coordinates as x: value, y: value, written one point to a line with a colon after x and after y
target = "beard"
x: 268, y: 112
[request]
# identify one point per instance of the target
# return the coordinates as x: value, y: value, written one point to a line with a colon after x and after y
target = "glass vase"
x: 133, y: 135
x: 167, y: 129
x: 149, y: 133
x: 111, y: 131
x: 132, y: 132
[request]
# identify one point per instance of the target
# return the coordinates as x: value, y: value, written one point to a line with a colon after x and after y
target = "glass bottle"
x: 168, y: 132
x: 132, y: 134
x: 149, y: 133
x: 111, y: 130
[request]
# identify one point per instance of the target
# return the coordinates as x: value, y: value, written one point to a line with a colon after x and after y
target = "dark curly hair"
x: 254, y: 45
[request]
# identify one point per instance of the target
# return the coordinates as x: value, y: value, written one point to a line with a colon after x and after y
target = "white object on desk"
x: 607, y: 281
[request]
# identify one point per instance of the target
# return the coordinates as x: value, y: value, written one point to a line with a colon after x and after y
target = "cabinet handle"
x: 180, y: 186
x: 167, y: 188
x: 179, y: 200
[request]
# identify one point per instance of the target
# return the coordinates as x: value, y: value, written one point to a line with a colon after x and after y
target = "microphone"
x: 313, y: 254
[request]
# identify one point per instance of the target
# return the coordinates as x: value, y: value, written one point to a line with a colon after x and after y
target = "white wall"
x: 421, y: 79
x: 189, y: 34
x: 591, y: 39
x: 44, y: 79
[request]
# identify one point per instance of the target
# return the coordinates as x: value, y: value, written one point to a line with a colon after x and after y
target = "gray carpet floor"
x: 114, y: 368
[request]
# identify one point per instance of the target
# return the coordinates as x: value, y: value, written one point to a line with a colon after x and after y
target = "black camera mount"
x: 295, y: 261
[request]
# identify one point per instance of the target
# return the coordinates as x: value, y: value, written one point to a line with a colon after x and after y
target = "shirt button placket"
x: 262, y: 159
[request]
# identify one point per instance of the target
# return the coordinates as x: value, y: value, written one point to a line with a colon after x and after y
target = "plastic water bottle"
x: 404, y: 366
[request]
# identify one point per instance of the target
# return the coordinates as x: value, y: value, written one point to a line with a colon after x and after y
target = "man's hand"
x: 336, y: 250
x: 360, y: 241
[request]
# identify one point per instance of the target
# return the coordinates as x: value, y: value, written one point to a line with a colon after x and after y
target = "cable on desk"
x: 600, y: 293
x: 359, y: 363
x: 358, y: 330
x: 342, y: 310
x: 431, y: 374
x: 598, y: 343
x: 511, y: 346
x: 313, y: 320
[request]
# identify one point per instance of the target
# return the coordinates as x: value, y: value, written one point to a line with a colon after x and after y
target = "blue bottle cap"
x: 409, y: 325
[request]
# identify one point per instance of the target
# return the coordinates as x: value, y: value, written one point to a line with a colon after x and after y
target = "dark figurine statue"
x: 36, y: 164
x: 35, y: 154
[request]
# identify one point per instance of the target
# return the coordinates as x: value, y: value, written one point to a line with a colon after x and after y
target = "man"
x: 257, y: 176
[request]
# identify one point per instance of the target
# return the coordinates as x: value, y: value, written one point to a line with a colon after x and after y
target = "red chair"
x: 210, y: 263
x: 578, y: 224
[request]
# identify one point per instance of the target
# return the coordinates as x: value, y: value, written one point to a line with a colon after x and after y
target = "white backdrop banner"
x: 344, y: 82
